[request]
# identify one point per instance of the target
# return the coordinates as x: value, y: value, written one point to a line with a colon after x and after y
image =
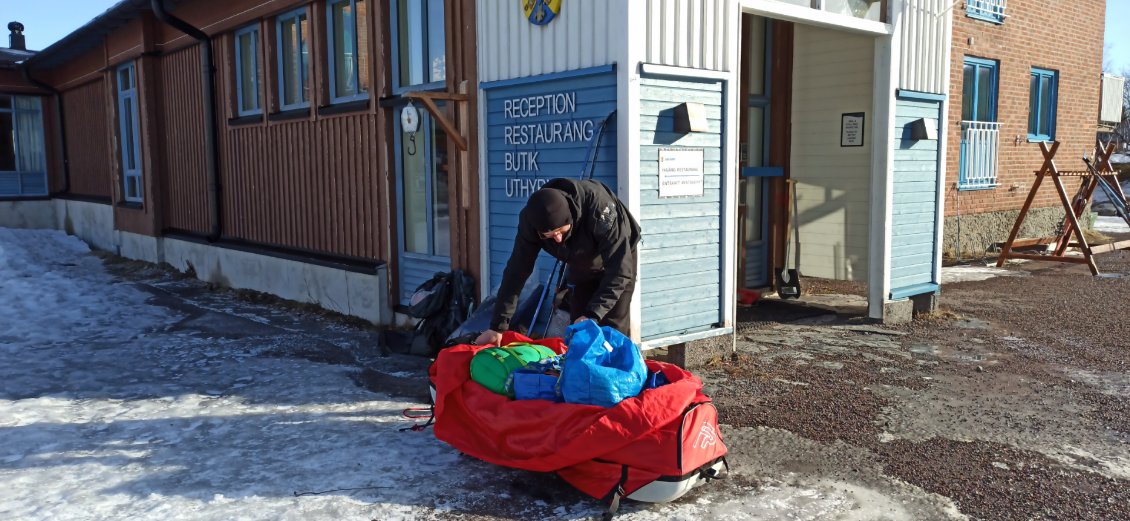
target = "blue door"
x: 424, y: 215
x: 756, y: 172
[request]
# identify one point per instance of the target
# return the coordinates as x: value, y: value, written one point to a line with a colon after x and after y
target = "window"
x: 247, y: 71
x: 979, y: 90
x: 418, y: 35
x: 424, y: 186
x: 23, y: 164
x: 424, y: 219
x: 988, y: 10
x: 349, y: 50
x: 980, y: 131
x: 294, y: 89
x: 1042, y: 104
x: 129, y: 136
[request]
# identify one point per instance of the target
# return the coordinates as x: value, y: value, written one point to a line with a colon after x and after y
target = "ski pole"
x: 558, y: 272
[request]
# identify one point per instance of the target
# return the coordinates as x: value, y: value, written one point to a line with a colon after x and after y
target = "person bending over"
x: 583, y: 224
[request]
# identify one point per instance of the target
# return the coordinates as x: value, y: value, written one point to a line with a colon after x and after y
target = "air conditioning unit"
x: 1111, y: 110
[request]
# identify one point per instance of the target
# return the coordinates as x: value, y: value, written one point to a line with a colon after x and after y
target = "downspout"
x: 208, y: 74
x: 60, y: 121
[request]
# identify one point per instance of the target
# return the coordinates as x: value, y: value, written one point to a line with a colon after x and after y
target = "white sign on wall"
x: 680, y: 172
x: 851, y: 129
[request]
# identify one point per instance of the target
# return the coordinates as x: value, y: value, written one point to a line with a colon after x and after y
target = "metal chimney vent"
x: 16, y: 38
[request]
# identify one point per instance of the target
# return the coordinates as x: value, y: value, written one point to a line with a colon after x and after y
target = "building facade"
x: 1023, y: 73
x: 342, y: 151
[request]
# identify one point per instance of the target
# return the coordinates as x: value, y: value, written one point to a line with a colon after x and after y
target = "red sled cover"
x: 666, y: 433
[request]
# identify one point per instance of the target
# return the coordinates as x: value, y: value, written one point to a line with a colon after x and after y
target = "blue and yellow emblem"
x: 541, y: 12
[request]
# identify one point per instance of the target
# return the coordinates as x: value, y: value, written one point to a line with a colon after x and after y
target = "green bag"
x: 493, y: 365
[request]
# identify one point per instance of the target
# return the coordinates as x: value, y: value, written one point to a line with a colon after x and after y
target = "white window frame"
x: 129, y: 95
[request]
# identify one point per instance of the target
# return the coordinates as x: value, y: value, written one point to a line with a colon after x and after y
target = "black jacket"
x: 601, y: 243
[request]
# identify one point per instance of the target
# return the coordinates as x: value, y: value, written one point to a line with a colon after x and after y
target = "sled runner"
x: 654, y: 447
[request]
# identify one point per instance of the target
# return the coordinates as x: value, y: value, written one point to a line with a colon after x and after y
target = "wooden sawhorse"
x: 1073, y: 210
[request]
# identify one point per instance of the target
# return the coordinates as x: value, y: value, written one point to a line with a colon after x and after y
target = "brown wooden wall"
x: 88, y: 147
x: 181, y: 111
x: 306, y: 185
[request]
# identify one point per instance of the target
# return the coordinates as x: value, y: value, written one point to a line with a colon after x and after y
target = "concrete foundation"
x: 698, y: 353
x: 362, y: 295
x: 903, y: 311
x: 36, y: 215
x: 91, y: 222
x: 972, y: 236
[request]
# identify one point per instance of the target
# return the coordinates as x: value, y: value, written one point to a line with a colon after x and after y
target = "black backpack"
x: 442, y: 303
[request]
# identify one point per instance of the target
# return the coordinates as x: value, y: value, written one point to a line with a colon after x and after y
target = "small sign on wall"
x: 851, y: 129
x: 681, y: 172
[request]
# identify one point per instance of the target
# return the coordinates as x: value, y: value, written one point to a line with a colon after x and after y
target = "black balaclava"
x: 548, y: 209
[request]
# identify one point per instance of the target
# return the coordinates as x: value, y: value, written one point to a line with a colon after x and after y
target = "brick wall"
x: 1061, y: 35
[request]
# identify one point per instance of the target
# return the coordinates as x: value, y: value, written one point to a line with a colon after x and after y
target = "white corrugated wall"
x: 833, y: 74
x: 926, y: 30
x: 680, y: 33
x: 581, y: 36
x: 690, y: 33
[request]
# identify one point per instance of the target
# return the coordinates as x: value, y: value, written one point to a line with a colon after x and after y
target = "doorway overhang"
x: 809, y: 16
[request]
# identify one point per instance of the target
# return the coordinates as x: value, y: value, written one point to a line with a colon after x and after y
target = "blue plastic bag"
x: 602, y: 366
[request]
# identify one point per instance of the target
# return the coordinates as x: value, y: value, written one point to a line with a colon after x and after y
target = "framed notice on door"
x: 851, y: 129
x: 681, y: 172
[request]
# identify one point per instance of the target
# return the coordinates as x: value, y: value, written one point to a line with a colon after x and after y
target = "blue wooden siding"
x: 681, y: 251
x: 914, y: 218
x: 593, y: 96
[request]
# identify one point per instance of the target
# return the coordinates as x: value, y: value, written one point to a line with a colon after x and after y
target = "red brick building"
x: 1022, y: 72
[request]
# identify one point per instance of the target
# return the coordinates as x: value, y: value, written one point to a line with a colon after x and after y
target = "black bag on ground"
x: 442, y: 303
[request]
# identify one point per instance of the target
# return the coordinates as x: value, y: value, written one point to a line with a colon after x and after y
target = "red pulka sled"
x: 654, y: 447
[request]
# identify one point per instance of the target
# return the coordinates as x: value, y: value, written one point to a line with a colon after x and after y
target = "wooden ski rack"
x: 1073, y: 211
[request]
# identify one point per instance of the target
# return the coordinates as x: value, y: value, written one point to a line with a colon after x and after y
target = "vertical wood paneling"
x: 925, y: 33
x: 185, y: 177
x: 511, y: 47
x: 689, y: 33
x: 304, y: 184
x: 86, y: 113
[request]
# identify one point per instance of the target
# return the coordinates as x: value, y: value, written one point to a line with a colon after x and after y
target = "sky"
x: 46, y: 21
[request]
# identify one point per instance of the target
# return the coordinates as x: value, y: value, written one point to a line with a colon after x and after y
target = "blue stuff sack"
x: 602, y: 366
x: 655, y: 379
x: 536, y: 381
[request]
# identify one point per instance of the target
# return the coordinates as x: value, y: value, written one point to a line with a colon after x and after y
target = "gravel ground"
x: 1010, y: 401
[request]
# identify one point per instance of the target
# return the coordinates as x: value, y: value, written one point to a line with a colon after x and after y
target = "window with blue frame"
x: 988, y: 10
x: 294, y: 58
x: 1043, y: 85
x: 23, y: 161
x: 980, y: 131
x: 348, y: 50
x: 247, y: 71
x: 420, y: 59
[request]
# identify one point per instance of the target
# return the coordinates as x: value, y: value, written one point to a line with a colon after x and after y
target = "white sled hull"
x: 663, y: 490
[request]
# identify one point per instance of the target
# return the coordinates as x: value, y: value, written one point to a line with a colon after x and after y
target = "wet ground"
x: 1010, y: 402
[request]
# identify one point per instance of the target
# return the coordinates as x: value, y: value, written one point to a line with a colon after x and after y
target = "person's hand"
x: 580, y: 319
x: 489, y: 337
